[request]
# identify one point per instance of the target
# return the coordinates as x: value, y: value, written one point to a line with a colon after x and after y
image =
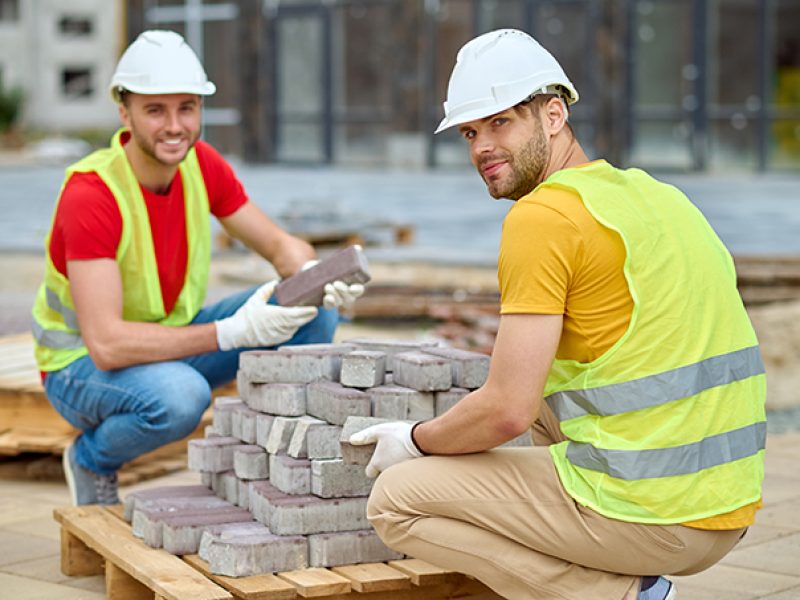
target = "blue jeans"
x: 127, y: 412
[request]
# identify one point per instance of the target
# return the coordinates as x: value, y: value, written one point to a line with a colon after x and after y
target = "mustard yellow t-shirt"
x: 555, y: 258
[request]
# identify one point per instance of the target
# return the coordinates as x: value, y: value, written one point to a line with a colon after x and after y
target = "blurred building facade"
x: 61, y: 54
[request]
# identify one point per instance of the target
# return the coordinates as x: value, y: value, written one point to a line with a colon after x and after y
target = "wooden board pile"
x: 283, y: 490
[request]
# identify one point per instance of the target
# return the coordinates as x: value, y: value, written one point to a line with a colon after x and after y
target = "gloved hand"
x: 394, y: 445
x: 337, y: 293
x: 257, y: 323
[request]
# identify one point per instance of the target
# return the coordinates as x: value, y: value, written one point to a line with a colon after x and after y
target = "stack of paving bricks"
x: 290, y: 492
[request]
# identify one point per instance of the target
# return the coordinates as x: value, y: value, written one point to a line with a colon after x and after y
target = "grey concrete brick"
x: 243, y: 495
x: 263, y: 428
x: 469, y: 369
x: 339, y: 349
x: 448, y: 399
x: 286, y: 399
x: 332, y: 478
x: 348, y: 547
x: 357, y: 455
x: 421, y: 406
x: 390, y: 401
x: 250, y: 462
x: 290, y: 475
x: 222, y: 418
x: 298, y: 445
x: 181, y: 534
x: 363, y: 369
x: 254, y: 554
x: 212, y: 454
x: 207, y: 479
x: 243, y: 424
x: 209, y: 431
x: 226, y: 401
x: 226, y: 486
x: 306, y: 288
x: 149, y: 512
x: 388, y: 347
x: 323, y: 442
x: 280, y: 434
x: 285, y: 514
x: 423, y: 372
x: 165, y: 492
x: 334, y: 403
x: 225, y: 530
x: 272, y: 366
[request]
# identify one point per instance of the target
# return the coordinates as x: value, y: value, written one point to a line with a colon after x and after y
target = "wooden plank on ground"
x: 77, y: 559
x: 161, y: 572
x: 421, y: 572
x: 374, y: 577
x: 315, y: 582
x: 255, y: 587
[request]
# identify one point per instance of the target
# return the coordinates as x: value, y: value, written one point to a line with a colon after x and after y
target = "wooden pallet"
x: 29, y: 423
x: 96, y: 539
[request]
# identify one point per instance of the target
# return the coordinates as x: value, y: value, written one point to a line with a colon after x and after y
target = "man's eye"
x: 468, y: 135
x: 500, y: 121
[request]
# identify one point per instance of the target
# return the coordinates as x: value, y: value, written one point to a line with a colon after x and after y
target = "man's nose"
x: 173, y: 120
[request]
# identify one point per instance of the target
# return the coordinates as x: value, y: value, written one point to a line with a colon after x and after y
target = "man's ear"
x: 555, y: 115
x: 124, y: 115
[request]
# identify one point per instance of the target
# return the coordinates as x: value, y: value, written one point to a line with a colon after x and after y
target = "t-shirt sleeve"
x: 226, y: 193
x: 88, y: 219
x: 539, y: 250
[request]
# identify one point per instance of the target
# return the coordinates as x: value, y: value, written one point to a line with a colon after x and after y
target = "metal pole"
x: 766, y: 31
x: 700, y: 86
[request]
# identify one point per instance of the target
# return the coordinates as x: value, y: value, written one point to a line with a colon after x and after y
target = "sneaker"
x: 657, y: 588
x: 85, y: 486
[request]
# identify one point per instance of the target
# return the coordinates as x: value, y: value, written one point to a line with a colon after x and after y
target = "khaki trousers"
x: 503, y: 517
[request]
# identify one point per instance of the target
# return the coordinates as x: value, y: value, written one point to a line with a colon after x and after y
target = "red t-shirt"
x: 88, y: 223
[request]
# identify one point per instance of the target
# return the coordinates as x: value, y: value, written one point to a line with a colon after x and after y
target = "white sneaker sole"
x: 673, y: 592
x: 73, y: 494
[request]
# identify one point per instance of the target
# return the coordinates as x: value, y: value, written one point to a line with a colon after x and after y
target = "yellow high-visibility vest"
x: 56, y: 331
x: 669, y: 424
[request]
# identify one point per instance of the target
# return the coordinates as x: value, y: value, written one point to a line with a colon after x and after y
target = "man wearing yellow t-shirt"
x: 623, y: 343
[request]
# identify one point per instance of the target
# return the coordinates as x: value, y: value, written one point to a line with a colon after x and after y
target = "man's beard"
x: 527, y: 167
x: 149, y: 149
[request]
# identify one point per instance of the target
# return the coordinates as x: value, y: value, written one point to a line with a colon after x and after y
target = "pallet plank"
x: 316, y: 582
x: 255, y: 587
x: 421, y: 573
x: 121, y: 586
x: 159, y: 571
x: 77, y: 559
x: 374, y: 577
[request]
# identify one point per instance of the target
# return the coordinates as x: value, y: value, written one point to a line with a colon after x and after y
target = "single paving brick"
x: 332, y: 478
x: 363, y: 369
x: 333, y: 403
x: 181, y: 534
x: 323, y: 442
x: 388, y: 347
x: 357, y: 455
x: 298, y: 445
x: 149, y: 512
x: 306, y: 288
x: 448, y: 399
x: 223, y: 530
x: 280, y: 434
x: 222, y: 418
x: 243, y: 494
x: 422, y: 371
x: 286, y: 399
x: 254, y: 554
x: 290, y: 475
x: 339, y: 349
x: 250, y: 462
x: 243, y: 424
x: 226, y: 486
x: 348, y: 547
x: 212, y: 454
x: 263, y: 428
x: 469, y: 369
x: 272, y: 366
x: 260, y: 493
x: 164, y: 492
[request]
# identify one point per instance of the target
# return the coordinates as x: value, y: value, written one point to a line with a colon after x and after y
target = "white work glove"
x: 257, y: 323
x: 337, y: 293
x: 394, y: 445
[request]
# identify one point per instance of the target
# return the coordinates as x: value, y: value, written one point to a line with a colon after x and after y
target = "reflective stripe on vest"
x: 678, y: 460
x: 69, y: 316
x: 55, y: 338
x: 658, y: 389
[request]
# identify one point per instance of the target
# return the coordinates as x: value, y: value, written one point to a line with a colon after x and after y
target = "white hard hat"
x: 498, y: 70
x: 160, y: 62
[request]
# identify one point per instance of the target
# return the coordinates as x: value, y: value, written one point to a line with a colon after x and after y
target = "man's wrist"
x: 413, y: 439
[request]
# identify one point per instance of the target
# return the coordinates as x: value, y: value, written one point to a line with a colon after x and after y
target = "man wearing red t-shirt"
x: 128, y: 353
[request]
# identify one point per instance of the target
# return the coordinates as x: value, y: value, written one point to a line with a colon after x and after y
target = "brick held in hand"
x: 307, y: 288
x: 357, y: 455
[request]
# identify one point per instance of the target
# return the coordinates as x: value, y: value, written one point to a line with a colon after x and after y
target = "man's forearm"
x: 127, y: 343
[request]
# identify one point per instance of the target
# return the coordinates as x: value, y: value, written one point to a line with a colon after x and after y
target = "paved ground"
x: 765, y: 565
